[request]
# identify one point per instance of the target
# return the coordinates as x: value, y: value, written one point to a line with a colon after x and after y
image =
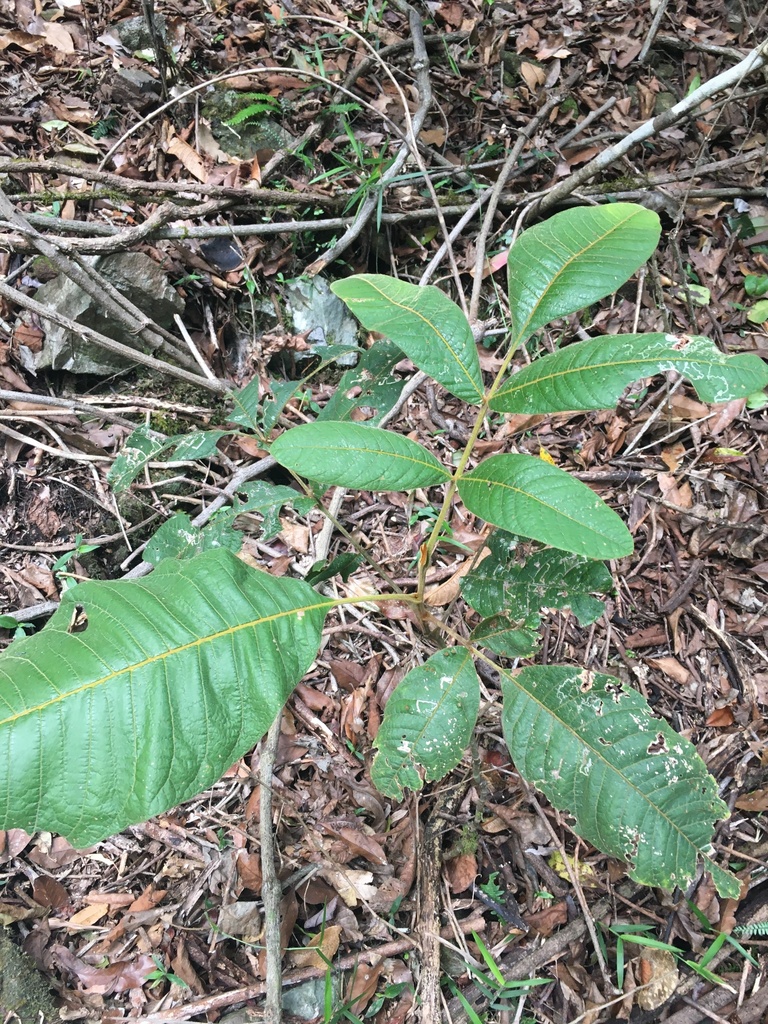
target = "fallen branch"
x: 726, y: 80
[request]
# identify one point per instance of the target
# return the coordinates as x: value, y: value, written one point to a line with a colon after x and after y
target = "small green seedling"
x: 173, y: 677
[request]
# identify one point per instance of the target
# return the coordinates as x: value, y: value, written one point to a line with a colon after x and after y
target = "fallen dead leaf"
x: 320, y: 949
x: 657, y: 968
x: 351, y: 885
x: 89, y: 915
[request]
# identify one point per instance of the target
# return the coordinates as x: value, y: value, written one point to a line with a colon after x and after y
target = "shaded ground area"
x: 235, y: 194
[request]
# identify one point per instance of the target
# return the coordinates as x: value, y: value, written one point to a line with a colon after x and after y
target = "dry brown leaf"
x: 319, y: 950
x: 351, y: 885
x: 362, y: 845
x: 544, y: 922
x: 461, y: 871
x: 672, y: 668
x: 295, y: 536
x: 48, y: 892
x: 241, y: 918
x: 444, y: 593
x: 754, y: 802
x: 189, y: 157
x: 534, y: 75
x: 89, y: 915
x: 433, y: 136
x: 120, y: 976
x: 656, y: 968
x: 362, y: 988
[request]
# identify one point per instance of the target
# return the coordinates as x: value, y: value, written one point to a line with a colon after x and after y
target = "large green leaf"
x: 355, y: 455
x: 529, y: 496
x: 574, y: 259
x: 547, y: 578
x: 428, y: 722
x: 593, y: 374
x: 637, y: 790
x: 424, y: 323
x: 161, y: 684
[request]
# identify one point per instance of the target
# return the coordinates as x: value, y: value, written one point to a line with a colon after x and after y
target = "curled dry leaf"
x: 351, y: 885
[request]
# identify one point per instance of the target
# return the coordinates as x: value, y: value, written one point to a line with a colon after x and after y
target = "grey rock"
x: 307, y: 1000
x: 134, y: 87
x: 137, y: 277
x: 134, y: 33
x: 245, y: 139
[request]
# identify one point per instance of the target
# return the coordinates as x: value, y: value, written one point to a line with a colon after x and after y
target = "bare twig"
x: 661, y: 10
x: 271, y: 890
x: 726, y: 80
x: 498, y: 188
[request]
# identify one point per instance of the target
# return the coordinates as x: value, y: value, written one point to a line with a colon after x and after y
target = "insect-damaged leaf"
x: 592, y: 374
x: 637, y: 790
x: 428, y: 723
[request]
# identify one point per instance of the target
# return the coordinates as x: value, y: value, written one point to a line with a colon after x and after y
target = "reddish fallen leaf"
x: 461, y: 871
x: 249, y: 870
x: 755, y: 801
x: 148, y: 899
x: 720, y: 718
x: 544, y: 922
x: 363, y: 845
x: 120, y: 976
x: 362, y: 988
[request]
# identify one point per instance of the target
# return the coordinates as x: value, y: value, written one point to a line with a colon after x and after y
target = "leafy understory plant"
x: 139, y: 694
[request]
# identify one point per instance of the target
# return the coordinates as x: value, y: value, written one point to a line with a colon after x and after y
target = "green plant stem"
x: 454, y: 482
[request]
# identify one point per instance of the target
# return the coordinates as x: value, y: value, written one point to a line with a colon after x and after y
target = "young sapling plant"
x: 176, y: 675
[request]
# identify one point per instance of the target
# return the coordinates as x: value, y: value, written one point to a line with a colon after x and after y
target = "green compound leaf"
x: 544, y: 579
x: 593, y: 374
x: 428, y: 723
x: 424, y: 323
x: 164, y: 684
x: 355, y: 455
x: 574, y: 259
x: 637, y: 790
x: 528, y: 496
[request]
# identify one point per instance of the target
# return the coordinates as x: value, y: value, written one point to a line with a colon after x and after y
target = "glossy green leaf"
x: 592, y: 374
x: 424, y: 323
x: 428, y: 723
x: 160, y: 686
x: 575, y: 258
x: 526, y: 495
x: 355, y: 455
x: 637, y: 790
x: 522, y: 585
